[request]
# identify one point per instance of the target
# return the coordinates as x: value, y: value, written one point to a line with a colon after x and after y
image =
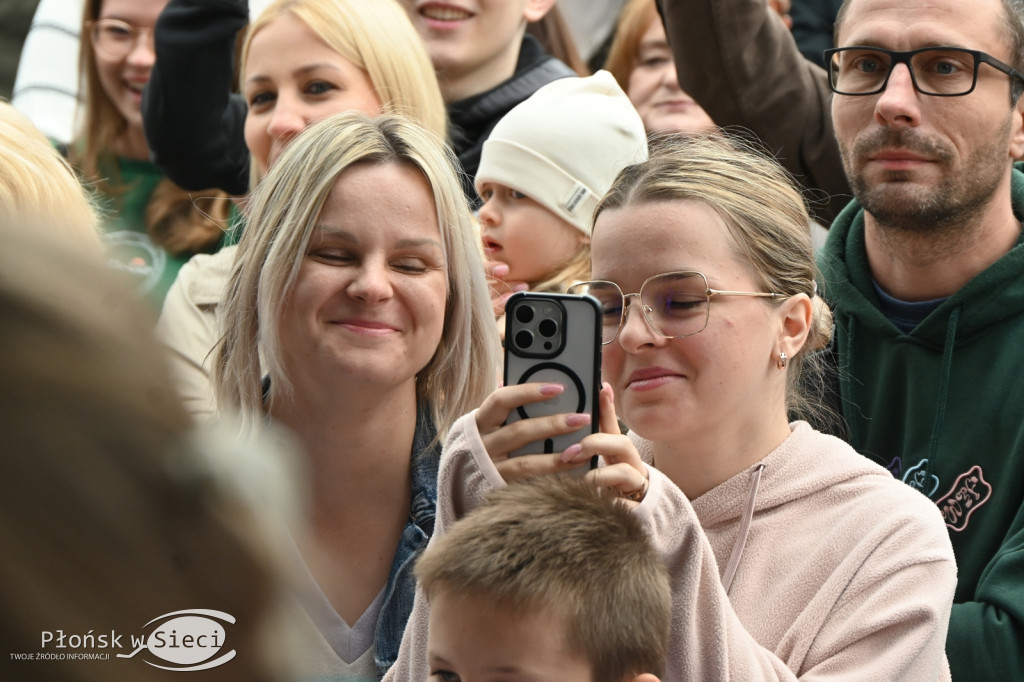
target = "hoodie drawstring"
x: 741, y: 536
x: 845, y: 373
x: 947, y: 364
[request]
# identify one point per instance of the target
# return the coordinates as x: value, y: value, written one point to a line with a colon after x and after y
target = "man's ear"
x: 1017, y: 130
x: 536, y: 9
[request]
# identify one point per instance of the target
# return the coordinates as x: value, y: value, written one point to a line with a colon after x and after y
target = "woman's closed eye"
x: 119, y: 32
x: 681, y: 304
x: 611, y: 310
x: 337, y: 256
x: 411, y: 265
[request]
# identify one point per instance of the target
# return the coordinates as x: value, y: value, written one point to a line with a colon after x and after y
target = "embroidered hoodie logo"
x: 970, y: 491
x: 918, y: 477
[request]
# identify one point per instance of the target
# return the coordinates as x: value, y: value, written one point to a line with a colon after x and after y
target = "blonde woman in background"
x: 302, y: 60
x: 365, y: 64
x: 357, y: 316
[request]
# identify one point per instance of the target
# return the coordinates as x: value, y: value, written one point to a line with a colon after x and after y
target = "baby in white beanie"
x: 542, y: 172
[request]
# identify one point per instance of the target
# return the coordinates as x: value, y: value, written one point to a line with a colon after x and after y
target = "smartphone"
x: 555, y: 338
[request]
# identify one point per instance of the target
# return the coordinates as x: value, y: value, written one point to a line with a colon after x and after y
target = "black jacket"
x: 193, y: 122
x: 471, y: 120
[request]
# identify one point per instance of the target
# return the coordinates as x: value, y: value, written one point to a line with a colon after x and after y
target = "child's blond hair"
x: 555, y: 544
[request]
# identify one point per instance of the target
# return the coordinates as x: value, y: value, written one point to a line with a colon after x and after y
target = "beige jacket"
x: 188, y: 327
x: 846, y: 574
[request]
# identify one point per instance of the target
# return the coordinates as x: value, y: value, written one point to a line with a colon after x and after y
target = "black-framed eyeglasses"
x: 675, y: 304
x: 114, y: 39
x: 938, y: 71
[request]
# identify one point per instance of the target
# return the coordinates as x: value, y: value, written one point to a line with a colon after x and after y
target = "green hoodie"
x: 943, y: 409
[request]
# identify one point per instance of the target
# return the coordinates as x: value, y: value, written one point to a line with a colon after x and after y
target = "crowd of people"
x: 253, y: 321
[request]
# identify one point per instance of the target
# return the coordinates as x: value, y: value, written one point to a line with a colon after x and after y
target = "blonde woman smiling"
x: 364, y: 295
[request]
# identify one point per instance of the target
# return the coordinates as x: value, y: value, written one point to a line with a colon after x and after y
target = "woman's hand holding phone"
x: 500, y: 439
x: 624, y: 472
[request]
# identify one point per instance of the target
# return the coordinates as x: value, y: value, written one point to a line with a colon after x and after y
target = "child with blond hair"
x: 550, y: 579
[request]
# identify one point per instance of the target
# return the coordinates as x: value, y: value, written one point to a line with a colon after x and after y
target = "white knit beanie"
x: 564, y: 145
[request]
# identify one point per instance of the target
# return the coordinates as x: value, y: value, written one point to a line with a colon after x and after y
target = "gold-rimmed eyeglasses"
x: 675, y: 304
x: 114, y: 39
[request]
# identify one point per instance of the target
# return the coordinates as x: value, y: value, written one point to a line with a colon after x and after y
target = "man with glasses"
x: 925, y: 272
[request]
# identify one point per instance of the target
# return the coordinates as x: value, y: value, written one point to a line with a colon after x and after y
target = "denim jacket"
x: 401, y: 586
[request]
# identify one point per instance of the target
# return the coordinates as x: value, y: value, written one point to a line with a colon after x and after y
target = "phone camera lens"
x: 524, y: 339
x: 524, y: 313
x: 547, y: 328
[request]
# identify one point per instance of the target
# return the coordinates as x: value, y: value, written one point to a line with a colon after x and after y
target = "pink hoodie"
x: 845, y: 573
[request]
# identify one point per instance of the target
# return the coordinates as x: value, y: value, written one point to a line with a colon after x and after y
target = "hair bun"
x: 821, y: 324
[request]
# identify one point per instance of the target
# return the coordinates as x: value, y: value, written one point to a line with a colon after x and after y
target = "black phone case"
x: 570, y: 355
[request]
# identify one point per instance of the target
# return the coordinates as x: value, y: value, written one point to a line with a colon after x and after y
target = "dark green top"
x: 151, y: 269
x: 942, y: 407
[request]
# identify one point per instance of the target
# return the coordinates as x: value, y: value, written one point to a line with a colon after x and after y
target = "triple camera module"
x: 538, y: 327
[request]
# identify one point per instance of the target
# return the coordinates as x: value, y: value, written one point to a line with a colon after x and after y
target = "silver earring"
x: 781, y: 364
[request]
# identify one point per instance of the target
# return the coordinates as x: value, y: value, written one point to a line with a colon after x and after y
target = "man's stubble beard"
x: 947, y: 210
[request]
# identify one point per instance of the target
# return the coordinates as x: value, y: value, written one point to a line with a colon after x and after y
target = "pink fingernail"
x: 552, y: 389
x: 521, y: 287
x: 571, y: 452
x: 500, y: 270
x: 577, y: 419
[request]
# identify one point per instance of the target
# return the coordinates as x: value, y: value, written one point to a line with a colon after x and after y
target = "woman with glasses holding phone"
x: 152, y: 226
x: 791, y: 556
